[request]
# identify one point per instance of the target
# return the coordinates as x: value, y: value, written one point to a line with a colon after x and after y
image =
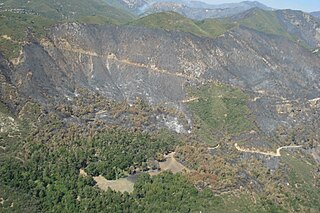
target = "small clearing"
x: 120, y: 185
x: 171, y: 164
x: 126, y: 184
x: 83, y: 173
x: 6, y: 37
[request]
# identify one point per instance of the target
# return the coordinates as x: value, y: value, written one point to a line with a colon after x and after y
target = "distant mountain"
x: 248, y: 4
x: 316, y: 14
x: 135, y: 6
x: 192, y: 9
x: 199, y: 10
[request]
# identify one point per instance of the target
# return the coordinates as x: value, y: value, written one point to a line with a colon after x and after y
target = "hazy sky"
x: 305, y: 5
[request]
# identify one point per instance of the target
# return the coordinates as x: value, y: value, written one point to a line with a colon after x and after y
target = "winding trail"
x: 190, y: 100
x: 274, y: 154
x: 113, y: 57
x: 20, y: 159
x: 213, y: 148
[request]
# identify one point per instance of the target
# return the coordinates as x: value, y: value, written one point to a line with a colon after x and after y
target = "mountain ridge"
x: 294, y: 25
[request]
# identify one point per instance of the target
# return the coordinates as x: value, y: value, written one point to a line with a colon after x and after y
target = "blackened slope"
x: 125, y: 62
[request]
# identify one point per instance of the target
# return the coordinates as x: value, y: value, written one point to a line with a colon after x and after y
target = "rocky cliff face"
x: 122, y: 63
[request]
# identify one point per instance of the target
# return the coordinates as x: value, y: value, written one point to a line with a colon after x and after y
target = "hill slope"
x: 170, y: 21
x: 22, y: 20
x: 176, y: 22
x: 264, y: 21
x: 216, y: 27
x: 294, y: 25
x: 242, y: 57
x: 68, y: 10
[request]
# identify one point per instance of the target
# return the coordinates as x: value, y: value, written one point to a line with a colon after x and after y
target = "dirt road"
x: 274, y: 154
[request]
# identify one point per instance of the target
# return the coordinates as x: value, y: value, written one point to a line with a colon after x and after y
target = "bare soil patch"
x: 171, y: 164
x: 120, y: 185
x: 83, y: 173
